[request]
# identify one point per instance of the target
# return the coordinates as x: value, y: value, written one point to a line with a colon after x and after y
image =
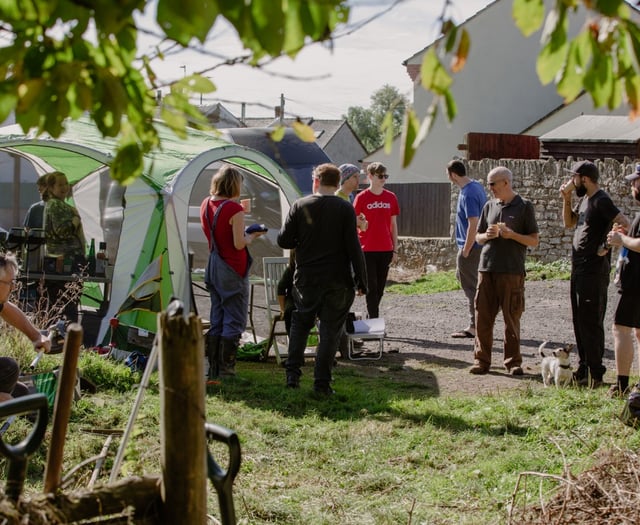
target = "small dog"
x: 556, y: 367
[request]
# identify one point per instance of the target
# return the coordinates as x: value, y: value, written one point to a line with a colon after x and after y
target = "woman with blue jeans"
x: 227, y: 273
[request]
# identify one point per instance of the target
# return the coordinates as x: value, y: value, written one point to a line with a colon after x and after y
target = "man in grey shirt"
x: 507, y: 227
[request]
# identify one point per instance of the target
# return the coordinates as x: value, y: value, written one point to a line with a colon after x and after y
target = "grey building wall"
x: 538, y: 181
x: 344, y: 147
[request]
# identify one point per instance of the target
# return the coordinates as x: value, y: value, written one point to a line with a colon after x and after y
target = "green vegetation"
x: 381, y: 119
x: 429, y: 283
x: 446, y: 281
x: 388, y: 448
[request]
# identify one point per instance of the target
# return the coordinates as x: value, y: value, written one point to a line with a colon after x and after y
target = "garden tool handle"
x: 223, y: 479
x: 62, y: 407
x: 18, y: 454
x: 36, y: 360
x: 39, y: 353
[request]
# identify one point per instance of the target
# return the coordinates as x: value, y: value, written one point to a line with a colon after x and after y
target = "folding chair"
x: 367, y: 329
x: 273, y: 268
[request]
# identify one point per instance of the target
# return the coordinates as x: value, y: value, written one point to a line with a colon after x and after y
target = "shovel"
x: 223, y: 479
x: 18, y: 454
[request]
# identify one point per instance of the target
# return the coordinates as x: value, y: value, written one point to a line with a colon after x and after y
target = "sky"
x: 319, y: 82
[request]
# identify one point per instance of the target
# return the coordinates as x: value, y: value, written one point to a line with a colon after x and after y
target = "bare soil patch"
x: 420, y: 349
x: 419, y: 346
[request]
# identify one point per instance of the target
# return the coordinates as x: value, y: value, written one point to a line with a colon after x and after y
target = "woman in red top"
x: 380, y: 240
x: 227, y: 273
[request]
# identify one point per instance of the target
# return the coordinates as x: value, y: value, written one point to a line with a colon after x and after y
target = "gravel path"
x: 419, y: 348
x: 419, y: 328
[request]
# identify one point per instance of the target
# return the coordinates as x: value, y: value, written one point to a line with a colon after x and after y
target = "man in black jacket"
x: 330, y: 269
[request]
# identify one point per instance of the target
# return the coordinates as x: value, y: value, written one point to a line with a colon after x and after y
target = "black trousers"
x: 330, y: 305
x: 377, y: 271
x: 588, y: 307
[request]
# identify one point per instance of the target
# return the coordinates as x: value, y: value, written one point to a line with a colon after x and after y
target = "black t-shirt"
x: 595, y: 216
x: 502, y: 255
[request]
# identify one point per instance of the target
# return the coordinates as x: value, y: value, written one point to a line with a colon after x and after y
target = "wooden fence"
x: 425, y: 209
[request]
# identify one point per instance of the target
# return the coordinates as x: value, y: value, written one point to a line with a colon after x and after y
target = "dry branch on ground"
x: 607, y: 493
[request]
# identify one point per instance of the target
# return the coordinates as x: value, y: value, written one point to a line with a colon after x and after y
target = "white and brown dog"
x: 556, y: 367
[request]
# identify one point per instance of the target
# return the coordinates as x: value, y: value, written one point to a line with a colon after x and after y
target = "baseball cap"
x: 635, y: 175
x: 347, y: 171
x: 585, y: 168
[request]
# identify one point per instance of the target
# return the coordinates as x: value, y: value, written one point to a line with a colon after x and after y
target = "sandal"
x: 463, y: 334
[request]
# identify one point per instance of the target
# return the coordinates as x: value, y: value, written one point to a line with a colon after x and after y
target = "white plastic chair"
x: 367, y: 329
x: 273, y: 268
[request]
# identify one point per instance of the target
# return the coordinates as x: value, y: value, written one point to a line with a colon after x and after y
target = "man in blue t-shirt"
x: 471, y: 200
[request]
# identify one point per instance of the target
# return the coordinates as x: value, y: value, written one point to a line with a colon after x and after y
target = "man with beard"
x: 592, y: 218
x: 626, y: 322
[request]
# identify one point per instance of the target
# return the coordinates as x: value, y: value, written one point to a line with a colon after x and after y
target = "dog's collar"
x: 565, y: 366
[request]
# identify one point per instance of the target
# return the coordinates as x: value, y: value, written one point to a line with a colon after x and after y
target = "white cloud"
x: 360, y: 64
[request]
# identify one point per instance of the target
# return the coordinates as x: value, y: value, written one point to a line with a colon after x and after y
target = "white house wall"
x: 580, y: 106
x: 497, y: 92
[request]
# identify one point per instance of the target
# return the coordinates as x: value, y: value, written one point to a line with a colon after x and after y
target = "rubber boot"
x: 227, y: 357
x: 212, y: 351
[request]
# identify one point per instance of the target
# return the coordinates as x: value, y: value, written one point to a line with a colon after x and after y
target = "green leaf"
x: 528, y: 15
x: 172, y: 116
x: 8, y: 99
x: 599, y: 81
x: 570, y: 84
x: 268, y: 23
x: 450, y: 32
x: 388, y: 130
x: 552, y: 57
x: 612, y: 8
x: 29, y: 92
x: 409, y: 133
x: 195, y: 84
x: 633, y: 33
x: 433, y: 74
x: 450, y: 105
x: 183, y: 20
x: 632, y: 90
x: 127, y: 164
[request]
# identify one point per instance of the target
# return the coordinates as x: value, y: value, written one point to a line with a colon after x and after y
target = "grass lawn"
x: 381, y: 452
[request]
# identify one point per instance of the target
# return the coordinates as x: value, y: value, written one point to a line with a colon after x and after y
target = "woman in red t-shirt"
x: 227, y: 272
x: 380, y: 240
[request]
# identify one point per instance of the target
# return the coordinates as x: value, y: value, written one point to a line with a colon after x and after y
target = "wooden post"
x: 182, y: 419
x: 62, y: 408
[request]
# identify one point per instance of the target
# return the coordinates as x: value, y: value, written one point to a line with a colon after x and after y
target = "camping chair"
x: 367, y: 329
x: 273, y: 268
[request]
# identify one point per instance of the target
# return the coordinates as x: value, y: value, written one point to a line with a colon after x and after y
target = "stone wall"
x: 538, y: 181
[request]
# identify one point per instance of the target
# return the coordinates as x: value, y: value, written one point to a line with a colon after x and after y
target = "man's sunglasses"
x: 380, y: 176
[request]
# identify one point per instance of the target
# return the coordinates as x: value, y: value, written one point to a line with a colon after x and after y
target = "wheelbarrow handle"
x: 223, y: 479
x: 18, y: 454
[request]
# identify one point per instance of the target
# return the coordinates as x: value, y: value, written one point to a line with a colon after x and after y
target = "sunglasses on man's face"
x: 382, y: 176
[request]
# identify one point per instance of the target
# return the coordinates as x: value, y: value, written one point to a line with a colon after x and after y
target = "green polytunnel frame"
x: 155, y: 206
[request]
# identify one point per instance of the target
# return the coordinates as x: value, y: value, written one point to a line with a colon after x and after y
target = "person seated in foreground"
x: 11, y: 314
